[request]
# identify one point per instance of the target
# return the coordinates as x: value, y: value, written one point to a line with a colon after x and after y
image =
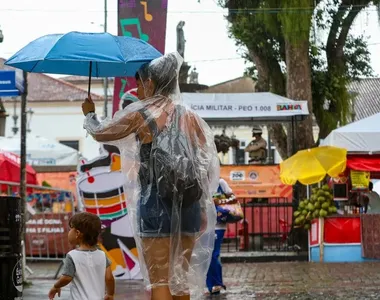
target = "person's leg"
x: 211, y: 274
x: 156, y: 256
x: 187, y: 250
x: 217, y: 271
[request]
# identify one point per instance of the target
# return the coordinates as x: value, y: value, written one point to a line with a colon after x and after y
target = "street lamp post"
x: 29, y: 114
x: 3, y: 112
x: 105, y: 80
x: 23, y: 125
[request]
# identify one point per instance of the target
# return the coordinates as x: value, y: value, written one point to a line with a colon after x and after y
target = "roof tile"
x: 44, y: 88
x: 367, y: 100
x: 237, y: 85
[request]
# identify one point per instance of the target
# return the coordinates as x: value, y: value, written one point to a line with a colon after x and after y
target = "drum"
x: 103, y: 194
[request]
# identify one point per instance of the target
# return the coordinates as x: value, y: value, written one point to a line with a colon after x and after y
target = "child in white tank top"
x: 87, y: 268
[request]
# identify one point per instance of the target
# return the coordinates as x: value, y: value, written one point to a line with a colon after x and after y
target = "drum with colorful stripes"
x: 103, y: 194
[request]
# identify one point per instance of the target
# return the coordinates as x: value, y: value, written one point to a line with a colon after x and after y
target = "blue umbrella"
x: 86, y: 54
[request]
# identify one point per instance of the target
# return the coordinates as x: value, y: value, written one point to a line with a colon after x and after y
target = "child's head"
x: 84, y: 229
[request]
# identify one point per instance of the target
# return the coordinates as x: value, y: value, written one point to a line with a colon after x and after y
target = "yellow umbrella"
x: 312, y: 165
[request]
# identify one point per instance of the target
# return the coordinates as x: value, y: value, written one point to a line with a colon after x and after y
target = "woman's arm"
x: 225, y: 187
x: 117, y: 128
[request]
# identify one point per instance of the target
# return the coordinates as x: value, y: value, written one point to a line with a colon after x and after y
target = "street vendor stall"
x: 352, y: 235
x: 334, y: 226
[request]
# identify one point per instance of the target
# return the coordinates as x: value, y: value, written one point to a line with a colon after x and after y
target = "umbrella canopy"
x: 10, y: 169
x: 75, y: 53
x: 41, y: 151
x: 312, y: 165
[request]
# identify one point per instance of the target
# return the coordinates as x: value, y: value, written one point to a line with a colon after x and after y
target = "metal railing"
x: 47, y: 223
x: 266, y: 227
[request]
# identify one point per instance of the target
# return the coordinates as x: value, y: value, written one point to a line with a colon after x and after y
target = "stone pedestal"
x: 184, y: 73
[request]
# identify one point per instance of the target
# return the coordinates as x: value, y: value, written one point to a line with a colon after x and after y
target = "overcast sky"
x: 208, y: 46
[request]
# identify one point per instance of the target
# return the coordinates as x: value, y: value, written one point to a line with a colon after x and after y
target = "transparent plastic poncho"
x: 172, y: 170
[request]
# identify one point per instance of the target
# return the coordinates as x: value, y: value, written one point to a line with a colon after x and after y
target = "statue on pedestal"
x: 194, y: 76
x: 184, y: 71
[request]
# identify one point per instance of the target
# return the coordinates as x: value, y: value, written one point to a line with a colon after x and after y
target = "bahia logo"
x: 288, y: 107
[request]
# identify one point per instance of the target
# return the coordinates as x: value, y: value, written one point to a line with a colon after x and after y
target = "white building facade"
x: 59, y: 121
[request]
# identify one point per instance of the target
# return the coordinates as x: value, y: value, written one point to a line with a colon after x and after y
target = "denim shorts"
x: 156, y: 218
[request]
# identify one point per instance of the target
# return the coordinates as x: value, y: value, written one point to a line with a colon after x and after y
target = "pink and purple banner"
x: 145, y: 20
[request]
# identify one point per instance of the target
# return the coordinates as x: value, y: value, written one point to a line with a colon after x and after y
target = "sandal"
x: 216, y: 290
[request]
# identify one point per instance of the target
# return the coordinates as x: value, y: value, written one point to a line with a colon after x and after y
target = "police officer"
x: 257, y: 148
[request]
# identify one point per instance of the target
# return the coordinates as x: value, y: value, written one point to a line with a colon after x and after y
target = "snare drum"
x: 103, y: 194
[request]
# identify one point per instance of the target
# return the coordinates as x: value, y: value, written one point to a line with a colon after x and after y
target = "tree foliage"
x: 265, y: 27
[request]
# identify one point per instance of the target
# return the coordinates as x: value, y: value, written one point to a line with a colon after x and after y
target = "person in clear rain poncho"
x: 172, y: 169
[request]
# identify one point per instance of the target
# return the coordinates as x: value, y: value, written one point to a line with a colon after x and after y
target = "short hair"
x: 89, y: 225
x: 163, y: 72
x: 370, y: 186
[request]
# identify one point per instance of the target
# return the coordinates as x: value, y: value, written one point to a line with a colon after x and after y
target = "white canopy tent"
x: 42, y: 151
x: 245, y: 108
x: 361, y: 136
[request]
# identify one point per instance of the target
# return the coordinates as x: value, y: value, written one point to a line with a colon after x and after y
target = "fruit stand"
x: 336, y: 239
x: 340, y: 229
x: 320, y: 205
x: 351, y: 235
x: 333, y: 237
x: 318, y: 213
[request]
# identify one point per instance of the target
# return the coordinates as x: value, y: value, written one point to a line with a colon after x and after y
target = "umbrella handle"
x: 89, y: 81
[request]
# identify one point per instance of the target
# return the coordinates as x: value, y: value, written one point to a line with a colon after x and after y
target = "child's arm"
x: 110, y: 284
x: 67, y: 276
x: 56, y: 289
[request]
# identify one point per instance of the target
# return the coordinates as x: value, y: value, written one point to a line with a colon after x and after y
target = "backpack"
x: 173, y: 164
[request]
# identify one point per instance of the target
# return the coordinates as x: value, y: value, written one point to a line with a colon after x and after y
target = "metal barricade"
x: 266, y: 227
x: 47, y: 223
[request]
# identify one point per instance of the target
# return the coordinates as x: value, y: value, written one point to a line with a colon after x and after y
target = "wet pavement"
x: 291, y: 280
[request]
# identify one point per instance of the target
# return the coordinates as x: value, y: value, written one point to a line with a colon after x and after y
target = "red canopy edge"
x: 370, y: 163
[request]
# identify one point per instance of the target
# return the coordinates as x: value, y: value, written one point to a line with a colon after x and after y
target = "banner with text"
x: 360, y: 179
x: 244, y: 110
x: 46, y: 235
x: 243, y: 105
x: 8, y: 84
x: 251, y: 181
x: 145, y: 20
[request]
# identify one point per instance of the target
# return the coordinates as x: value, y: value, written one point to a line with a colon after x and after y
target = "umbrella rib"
x: 55, y: 44
x: 36, y: 63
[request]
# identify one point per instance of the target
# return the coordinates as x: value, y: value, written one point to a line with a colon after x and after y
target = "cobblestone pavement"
x: 258, y: 281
